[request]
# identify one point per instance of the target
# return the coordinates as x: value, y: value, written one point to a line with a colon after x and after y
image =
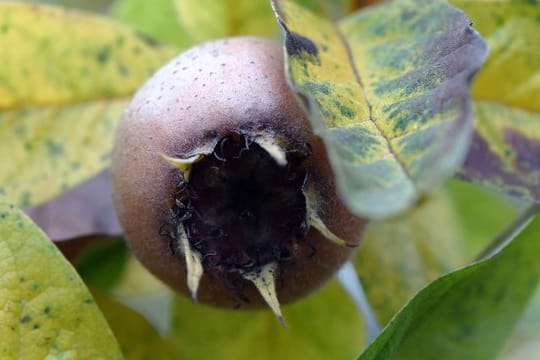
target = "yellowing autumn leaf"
x: 46, y: 310
x: 505, y: 154
x: 64, y: 80
x: 210, y: 19
x: 387, y: 90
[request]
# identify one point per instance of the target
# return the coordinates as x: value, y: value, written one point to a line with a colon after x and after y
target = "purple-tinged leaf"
x: 505, y: 154
x: 83, y: 211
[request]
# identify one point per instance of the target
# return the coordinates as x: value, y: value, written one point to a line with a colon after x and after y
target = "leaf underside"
x: 387, y: 90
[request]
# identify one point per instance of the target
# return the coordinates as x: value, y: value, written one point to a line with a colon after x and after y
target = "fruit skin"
x: 206, y: 93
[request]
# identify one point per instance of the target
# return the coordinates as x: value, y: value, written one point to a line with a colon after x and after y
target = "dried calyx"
x: 241, y: 211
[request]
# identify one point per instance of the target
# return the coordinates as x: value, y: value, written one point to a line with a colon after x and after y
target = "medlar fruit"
x: 221, y: 185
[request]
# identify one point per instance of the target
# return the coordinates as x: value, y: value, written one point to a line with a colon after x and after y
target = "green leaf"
x: 400, y: 256
x: 209, y: 19
x: 482, y: 214
x: 138, y: 339
x: 65, y: 78
x: 506, y: 149
x: 46, y: 309
x: 102, y: 264
x: 391, y: 83
x: 323, y: 326
x: 155, y: 18
x: 468, y: 313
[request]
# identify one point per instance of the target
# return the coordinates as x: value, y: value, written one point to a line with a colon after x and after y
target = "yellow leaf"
x: 323, y: 326
x: 44, y: 151
x: 46, y: 311
x: 210, y: 19
x: 400, y: 256
x: 64, y: 80
x: 511, y: 75
x: 505, y: 154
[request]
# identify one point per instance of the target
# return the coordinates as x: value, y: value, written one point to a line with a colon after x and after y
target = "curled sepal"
x: 193, y: 263
x: 315, y: 221
x: 184, y: 165
x: 264, y: 279
x: 273, y: 149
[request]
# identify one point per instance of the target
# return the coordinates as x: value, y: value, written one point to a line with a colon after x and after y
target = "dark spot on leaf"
x: 46, y: 310
x: 25, y: 319
x: 36, y: 326
x: 317, y: 87
x: 20, y: 130
x: 464, y: 331
x: 3, y: 215
x: 103, y: 55
x: 345, y: 110
x: 26, y: 199
x: 123, y: 70
x: 105, y: 157
x: 527, y: 151
x: 120, y: 41
x: 88, y: 301
x: 137, y: 50
x: 499, y: 296
x: 54, y: 148
x: 297, y: 45
x: 407, y: 14
x: 150, y: 41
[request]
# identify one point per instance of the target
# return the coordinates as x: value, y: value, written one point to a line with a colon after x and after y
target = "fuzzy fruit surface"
x: 242, y: 206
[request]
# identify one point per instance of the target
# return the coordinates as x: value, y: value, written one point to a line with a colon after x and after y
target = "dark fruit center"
x: 240, y: 209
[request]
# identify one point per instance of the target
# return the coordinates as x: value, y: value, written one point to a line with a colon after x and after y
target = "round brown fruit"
x: 218, y: 177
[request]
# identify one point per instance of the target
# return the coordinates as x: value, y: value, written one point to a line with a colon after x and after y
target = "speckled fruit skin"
x: 207, y: 92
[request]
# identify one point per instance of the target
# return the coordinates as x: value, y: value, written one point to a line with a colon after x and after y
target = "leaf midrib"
x: 358, y: 80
